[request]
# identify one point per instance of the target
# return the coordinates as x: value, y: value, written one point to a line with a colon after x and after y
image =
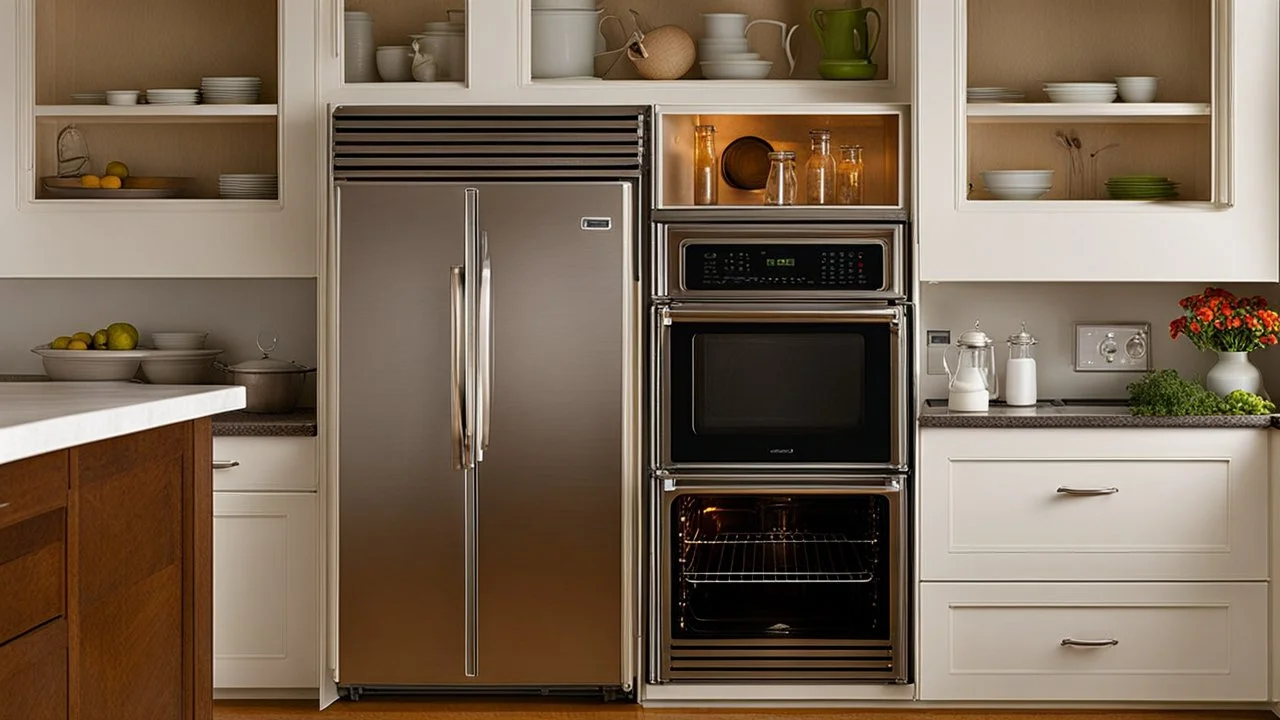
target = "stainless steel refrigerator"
x: 486, y: 400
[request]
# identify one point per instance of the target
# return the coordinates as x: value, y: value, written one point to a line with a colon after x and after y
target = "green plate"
x: 1146, y: 178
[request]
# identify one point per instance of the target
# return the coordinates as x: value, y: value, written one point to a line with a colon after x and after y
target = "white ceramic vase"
x: 1233, y: 372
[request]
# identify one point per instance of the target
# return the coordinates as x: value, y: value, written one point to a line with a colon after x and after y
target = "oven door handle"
x: 672, y: 314
x: 742, y: 485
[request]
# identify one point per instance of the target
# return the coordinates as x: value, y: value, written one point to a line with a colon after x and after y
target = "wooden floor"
x: 486, y: 710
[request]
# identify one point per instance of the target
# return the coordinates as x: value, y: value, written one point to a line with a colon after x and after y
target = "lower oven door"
x: 777, y: 388
x: 792, y: 579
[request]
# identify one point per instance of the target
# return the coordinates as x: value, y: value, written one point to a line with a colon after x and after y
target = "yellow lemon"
x: 117, y: 169
x: 83, y: 337
x: 77, y: 345
x: 100, y: 340
x: 60, y: 343
x: 120, y: 339
x: 112, y: 182
x: 90, y: 181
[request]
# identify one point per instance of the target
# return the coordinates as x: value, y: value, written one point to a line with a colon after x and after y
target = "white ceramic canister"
x: 564, y: 43
x: 358, y: 51
x: 447, y: 43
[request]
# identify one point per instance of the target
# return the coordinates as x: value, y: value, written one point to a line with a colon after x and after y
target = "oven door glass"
x: 791, y: 393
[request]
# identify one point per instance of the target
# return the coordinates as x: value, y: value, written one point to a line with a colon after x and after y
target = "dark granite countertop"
x: 1078, y: 414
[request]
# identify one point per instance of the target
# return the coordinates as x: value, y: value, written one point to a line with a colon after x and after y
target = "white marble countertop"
x: 37, y: 418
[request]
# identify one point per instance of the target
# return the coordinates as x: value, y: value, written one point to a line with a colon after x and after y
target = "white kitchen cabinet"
x: 1082, y: 642
x: 76, y: 46
x: 1093, y: 504
x: 266, y: 593
x: 1212, y: 129
x: 265, y: 464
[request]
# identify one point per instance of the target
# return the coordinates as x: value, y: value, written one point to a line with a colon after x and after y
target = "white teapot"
x: 424, y: 64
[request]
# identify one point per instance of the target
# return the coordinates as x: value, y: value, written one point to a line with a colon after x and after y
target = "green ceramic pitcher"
x: 843, y: 33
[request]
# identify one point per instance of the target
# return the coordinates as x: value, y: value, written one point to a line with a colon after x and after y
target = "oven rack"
x: 775, y: 557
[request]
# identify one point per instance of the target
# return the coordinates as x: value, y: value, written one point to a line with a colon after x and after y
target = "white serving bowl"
x: 178, y: 367
x: 122, y: 97
x: 1017, y: 179
x: 736, y: 69
x: 734, y: 57
x: 395, y: 63
x: 178, y: 340
x: 1137, y: 89
x: 83, y: 365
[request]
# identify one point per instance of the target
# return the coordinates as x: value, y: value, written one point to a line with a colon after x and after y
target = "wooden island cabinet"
x: 106, y: 579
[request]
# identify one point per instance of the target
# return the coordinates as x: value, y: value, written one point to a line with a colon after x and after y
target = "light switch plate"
x: 1113, y: 347
x: 936, y: 343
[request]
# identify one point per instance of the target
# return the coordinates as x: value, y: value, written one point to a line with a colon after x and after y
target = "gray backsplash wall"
x: 1051, y: 311
x: 231, y: 310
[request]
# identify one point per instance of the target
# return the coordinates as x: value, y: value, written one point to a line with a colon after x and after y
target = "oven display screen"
x: 784, y: 266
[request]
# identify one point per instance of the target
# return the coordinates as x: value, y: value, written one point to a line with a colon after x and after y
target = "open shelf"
x: 169, y: 113
x: 1090, y: 112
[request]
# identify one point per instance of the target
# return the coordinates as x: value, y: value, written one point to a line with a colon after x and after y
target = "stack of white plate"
x: 172, y: 97
x: 230, y: 90
x: 994, y: 95
x: 248, y: 186
x: 1081, y: 92
x: 92, y: 98
x: 1018, y: 184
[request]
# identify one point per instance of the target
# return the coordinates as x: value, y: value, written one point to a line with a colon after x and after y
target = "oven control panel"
x: 784, y: 266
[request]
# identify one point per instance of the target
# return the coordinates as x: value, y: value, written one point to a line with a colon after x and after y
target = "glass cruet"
x: 706, y: 176
x: 850, y: 175
x: 820, y: 169
x: 780, y: 189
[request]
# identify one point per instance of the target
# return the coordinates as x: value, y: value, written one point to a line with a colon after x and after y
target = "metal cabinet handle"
x: 225, y: 464
x: 485, y: 341
x: 1072, y: 642
x: 457, y: 370
x: 1088, y: 491
x: 339, y: 19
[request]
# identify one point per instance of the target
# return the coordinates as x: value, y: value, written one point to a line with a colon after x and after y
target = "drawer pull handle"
x: 225, y: 464
x: 1088, y: 491
x: 1072, y: 642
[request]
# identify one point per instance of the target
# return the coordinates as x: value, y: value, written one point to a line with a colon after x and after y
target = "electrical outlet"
x: 1113, y: 347
x: 936, y: 343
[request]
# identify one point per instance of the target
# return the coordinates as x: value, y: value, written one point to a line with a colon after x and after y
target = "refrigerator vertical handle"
x: 471, y: 541
x: 457, y: 370
x: 471, y: 492
x: 484, y: 358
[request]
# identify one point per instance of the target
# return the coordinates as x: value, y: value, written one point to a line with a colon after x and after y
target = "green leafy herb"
x: 1164, y: 392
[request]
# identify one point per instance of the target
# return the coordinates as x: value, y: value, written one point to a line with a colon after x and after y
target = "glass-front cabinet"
x: 1098, y: 140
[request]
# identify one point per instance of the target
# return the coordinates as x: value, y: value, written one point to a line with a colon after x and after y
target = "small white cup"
x: 395, y: 63
x: 724, y: 25
x: 1137, y: 89
x: 122, y: 97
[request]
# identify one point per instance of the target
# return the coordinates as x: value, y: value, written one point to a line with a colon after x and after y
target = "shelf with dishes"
x: 394, y: 41
x: 1090, y: 112
x: 763, y: 40
x: 169, y: 113
x: 823, y: 162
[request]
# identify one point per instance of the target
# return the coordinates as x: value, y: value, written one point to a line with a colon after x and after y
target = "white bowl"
x: 736, y: 69
x: 733, y: 57
x: 1137, y: 89
x: 1081, y: 97
x: 178, y: 367
x: 1018, y: 193
x: 738, y: 44
x: 395, y: 63
x: 1017, y: 179
x: 83, y: 365
x: 178, y: 340
x: 122, y: 97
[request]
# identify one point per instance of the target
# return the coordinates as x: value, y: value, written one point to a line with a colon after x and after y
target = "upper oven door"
x: 768, y: 388
x: 781, y: 262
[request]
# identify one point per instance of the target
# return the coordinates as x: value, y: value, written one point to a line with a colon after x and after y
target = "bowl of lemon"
x: 111, y: 353
x: 116, y: 183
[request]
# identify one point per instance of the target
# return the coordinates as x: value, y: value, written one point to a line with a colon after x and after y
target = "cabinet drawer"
x: 33, y: 486
x: 1172, y: 641
x: 265, y: 463
x: 32, y: 569
x: 1047, y: 504
x: 33, y: 673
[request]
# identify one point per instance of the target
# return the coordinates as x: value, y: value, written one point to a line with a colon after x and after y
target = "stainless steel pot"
x: 271, y: 386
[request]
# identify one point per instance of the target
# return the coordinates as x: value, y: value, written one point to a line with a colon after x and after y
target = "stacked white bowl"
x: 1135, y: 89
x: 230, y: 90
x: 993, y: 95
x: 395, y: 63
x: 563, y: 36
x: 723, y: 51
x: 122, y: 97
x: 1081, y: 92
x: 358, y: 61
x: 1018, y: 184
x: 172, y: 96
x: 89, y: 98
x: 248, y: 186
x: 178, y: 340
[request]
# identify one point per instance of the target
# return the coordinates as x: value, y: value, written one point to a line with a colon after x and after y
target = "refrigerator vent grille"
x: 414, y: 143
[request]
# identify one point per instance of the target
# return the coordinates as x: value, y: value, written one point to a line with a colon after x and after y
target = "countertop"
x: 1077, y: 414
x: 40, y: 417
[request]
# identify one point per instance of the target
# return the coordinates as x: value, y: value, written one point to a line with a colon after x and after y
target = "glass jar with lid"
x: 850, y: 175
x: 780, y: 189
x: 706, y: 176
x: 820, y: 169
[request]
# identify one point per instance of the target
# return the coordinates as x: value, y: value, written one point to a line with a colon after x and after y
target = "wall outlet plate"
x: 1113, y: 347
x: 936, y: 343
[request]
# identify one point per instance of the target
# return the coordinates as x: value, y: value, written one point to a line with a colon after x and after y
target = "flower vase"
x: 1233, y: 372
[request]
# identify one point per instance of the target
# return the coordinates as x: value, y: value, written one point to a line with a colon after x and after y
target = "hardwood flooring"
x: 400, y: 709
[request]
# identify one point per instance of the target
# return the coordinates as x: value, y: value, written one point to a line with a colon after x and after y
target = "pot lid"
x: 268, y: 364
x: 1023, y: 337
x: 974, y: 338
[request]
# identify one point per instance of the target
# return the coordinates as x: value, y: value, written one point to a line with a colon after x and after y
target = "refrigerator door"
x: 551, y: 475
x: 401, y: 521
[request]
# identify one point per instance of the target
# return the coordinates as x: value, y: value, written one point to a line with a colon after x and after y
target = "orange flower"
x: 1205, y: 314
x: 1267, y: 339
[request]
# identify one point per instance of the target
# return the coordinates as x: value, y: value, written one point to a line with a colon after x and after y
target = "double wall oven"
x: 780, y: 405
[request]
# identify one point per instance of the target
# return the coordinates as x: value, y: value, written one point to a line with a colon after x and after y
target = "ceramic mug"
x: 843, y: 33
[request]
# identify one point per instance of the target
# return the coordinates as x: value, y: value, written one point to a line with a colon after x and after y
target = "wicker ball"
x: 664, y: 53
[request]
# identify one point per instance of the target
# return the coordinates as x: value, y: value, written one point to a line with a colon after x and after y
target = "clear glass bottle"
x: 820, y: 170
x: 780, y: 189
x: 850, y: 175
x: 706, y: 171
